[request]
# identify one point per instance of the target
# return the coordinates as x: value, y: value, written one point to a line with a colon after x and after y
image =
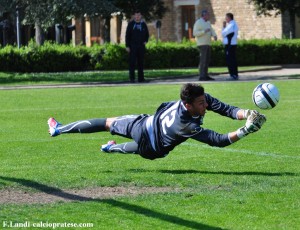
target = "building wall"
x: 251, y: 26
x: 169, y: 23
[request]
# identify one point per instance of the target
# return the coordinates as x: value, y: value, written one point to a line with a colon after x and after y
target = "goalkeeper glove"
x: 248, y: 112
x: 254, y: 122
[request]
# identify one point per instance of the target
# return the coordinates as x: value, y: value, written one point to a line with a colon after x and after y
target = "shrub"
x: 57, y: 58
x: 171, y: 55
x: 269, y: 52
x: 47, y: 58
x: 111, y: 57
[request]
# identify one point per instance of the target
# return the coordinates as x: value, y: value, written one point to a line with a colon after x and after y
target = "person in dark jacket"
x: 137, y: 36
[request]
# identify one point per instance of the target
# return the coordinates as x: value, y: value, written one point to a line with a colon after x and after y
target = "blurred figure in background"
x: 230, y: 33
x: 137, y: 36
x: 203, y: 32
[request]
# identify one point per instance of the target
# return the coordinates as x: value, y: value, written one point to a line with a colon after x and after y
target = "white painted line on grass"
x: 244, y: 151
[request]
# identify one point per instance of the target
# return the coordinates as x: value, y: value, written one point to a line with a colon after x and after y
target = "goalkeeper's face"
x: 198, y: 106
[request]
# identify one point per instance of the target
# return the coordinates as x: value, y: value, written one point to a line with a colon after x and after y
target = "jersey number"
x: 168, y: 120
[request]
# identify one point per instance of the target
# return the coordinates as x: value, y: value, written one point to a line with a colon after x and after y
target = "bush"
x: 110, y: 57
x: 58, y: 58
x: 269, y: 52
x: 171, y: 55
x: 47, y: 58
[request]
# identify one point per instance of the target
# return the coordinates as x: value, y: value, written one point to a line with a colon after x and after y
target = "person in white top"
x: 203, y: 32
x: 230, y: 34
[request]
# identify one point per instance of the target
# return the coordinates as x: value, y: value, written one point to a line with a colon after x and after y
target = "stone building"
x: 178, y: 22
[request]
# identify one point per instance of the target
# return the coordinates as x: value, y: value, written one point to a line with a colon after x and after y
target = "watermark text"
x: 46, y: 224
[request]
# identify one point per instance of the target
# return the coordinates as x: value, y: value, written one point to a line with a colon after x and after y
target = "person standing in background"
x: 136, y: 37
x: 230, y: 34
x: 203, y: 32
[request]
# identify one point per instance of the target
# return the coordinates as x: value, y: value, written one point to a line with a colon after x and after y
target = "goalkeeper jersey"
x: 172, y: 124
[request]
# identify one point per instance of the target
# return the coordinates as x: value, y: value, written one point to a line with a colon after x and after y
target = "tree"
x: 47, y: 13
x: 53, y: 12
x: 150, y: 9
x: 35, y: 12
x: 292, y: 7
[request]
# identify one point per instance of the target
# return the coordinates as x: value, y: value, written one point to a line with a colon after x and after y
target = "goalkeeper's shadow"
x: 230, y: 173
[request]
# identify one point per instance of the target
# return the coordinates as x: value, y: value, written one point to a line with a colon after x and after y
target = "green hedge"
x: 47, y: 58
x: 58, y: 58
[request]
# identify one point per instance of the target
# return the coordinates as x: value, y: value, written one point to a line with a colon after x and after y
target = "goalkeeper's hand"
x: 248, y: 112
x: 254, y: 122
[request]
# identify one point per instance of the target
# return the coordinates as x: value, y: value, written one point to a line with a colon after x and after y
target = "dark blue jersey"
x: 172, y: 124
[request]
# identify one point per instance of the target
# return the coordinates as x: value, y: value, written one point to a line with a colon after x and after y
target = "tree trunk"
x: 39, y: 38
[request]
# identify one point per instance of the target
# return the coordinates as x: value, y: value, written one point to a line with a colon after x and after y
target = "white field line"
x: 243, y: 151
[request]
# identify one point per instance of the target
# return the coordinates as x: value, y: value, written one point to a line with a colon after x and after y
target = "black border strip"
x: 266, y: 95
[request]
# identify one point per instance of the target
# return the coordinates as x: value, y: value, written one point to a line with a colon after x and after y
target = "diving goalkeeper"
x: 154, y: 136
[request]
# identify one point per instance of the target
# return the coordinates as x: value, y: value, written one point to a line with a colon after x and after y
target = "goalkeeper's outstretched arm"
x: 227, y: 110
x: 254, y: 123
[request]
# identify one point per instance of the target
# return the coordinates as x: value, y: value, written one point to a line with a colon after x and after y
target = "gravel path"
x: 264, y: 75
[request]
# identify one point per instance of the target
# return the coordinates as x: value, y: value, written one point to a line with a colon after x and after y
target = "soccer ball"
x: 265, y: 96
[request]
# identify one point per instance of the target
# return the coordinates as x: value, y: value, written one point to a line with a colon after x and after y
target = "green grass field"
x: 253, y: 184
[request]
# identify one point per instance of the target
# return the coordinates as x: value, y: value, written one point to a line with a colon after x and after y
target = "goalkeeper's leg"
x: 82, y: 126
x: 125, y: 148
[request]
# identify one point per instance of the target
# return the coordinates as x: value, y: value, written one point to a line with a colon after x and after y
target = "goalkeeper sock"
x: 129, y: 147
x: 84, y: 126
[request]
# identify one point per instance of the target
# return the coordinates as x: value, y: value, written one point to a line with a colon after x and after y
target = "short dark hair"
x: 190, y: 91
x: 137, y: 11
x: 230, y: 15
x: 204, y: 12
